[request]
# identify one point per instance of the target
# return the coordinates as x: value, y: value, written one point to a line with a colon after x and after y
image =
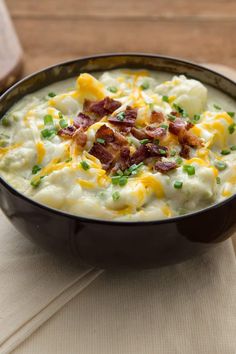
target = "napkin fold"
x: 34, y: 285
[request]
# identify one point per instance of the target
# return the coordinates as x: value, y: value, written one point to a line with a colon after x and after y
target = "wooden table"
x: 55, y: 30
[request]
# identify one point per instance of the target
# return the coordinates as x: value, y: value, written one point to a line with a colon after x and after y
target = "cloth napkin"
x: 33, y: 285
x: 189, y: 308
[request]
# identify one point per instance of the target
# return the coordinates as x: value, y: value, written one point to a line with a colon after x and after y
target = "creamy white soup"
x: 122, y: 145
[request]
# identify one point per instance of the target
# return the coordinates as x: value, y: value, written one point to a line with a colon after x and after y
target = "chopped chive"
x: 218, y: 180
x: 3, y: 143
x: 36, y: 169
x: 52, y: 94
x: 189, y: 169
x: 217, y: 107
x: 171, y: 117
x: 165, y: 99
x: 48, y: 119
x: 172, y: 153
x: 220, y: 165
x: 233, y: 148
x: 162, y: 152
x: 231, y: 128
x: 231, y: 114
x: 196, y: 117
x: 123, y: 181
x: 180, y: 110
x: 36, y: 182
x: 69, y: 159
x: 164, y: 126
x: 145, y: 85
x: 48, y: 133
x: 225, y: 152
x: 178, y: 184
x: 85, y: 165
x: 151, y: 106
x: 5, y: 121
x: 101, y: 141
x: 156, y: 141
x: 112, y: 89
x: 121, y: 116
x: 179, y: 161
x: 115, y: 180
x: 144, y: 141
x: 63, y: 123
x: 116, y: 196
x: 60, y: 115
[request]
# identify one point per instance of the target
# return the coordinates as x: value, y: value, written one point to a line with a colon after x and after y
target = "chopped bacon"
x: 157, y: 117
x: 155, y: 132
x: 124, y: 162
x: 80, y: 137
x: 185, y: 151
x: 138, y: 133
x: 82, y: 120
x: 102, y: 154
x: 165, y: 166
x: 139, y: 155
x: 189, y: 125
x: 176, y: 126
x: 67, y: 132
x: 130, y: 115
x: 106, y: 133
x: 156, y: 150
x: 101, y: 108
x: 187, y: 138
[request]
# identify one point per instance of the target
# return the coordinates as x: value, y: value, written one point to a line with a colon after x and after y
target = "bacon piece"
x: 165, y: 166
x: 185, y: 151
x: 155, y: 132
x: 189, y: 125
x: 106, y: 133
x: 67, y: 132
x: 124, y: 162
x: 187, y: 138
x: 82, y: 120
x: 101, y: 108
x: 130, y: 115
x: 139, y: 155
x: 156, y: 150
x: 157, y: 117
x: 176, y: 126
x: 140, y: 134
x: 80, y: 137
x: 102, y: 154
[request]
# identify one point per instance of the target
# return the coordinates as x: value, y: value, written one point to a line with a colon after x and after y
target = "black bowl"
x: 107, y: 243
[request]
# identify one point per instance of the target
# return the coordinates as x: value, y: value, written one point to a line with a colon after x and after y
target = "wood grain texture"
x: 10, y: 51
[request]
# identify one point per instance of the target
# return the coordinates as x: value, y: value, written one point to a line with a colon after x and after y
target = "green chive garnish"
x: 171, y: 117
x: 196, y: 117
x: 112, y: 89
x: 231, y: 114
x: 101, y: 141
x: 179, y: 161
x: 217, y: 107
x: 116, y: 196
x: 220, y: 165
x: 164, y: 126
x: 233, y: 148
x: 60, y: 115
x: 144, y: 141
x: 172, y: 153
x: 145, y: 85
x: 121, y: 116
x: 69, y: 159
x: 180, y: 110
x: 36, y: 169
x: 231, y: 128
x: 63, y: 123
x: 115, y: 180
x: 5, y: 121
x: 218, y: 180
x: 165, y: 99
x: 123, y: 181
x: 52, y: 94
x: 85, y: 165
x: 48, y: 133
x: 162, y: 152
x: 48, y: 119
x: 225, y: 152
x: 189, y: 169
x: 156, y: 141
x: 178, y: 184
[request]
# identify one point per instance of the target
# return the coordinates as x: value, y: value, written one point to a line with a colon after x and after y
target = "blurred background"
x: 56, y: 30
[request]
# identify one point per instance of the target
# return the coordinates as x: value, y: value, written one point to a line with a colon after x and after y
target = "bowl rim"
x: 92, y: 220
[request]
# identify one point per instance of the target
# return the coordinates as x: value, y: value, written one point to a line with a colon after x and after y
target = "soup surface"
x: 122, y: 145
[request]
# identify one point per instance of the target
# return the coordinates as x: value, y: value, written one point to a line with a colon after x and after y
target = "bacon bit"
x: 67, y: 132
x: 155, y: 132
x: 139, y: 155
x: 157, y: 117
x: 106, y: 133
x: 130, y: 115
x: 189, y: 125
x: 101, y: 108
x: 139, y: 133
x: 82, y: 120
x: 102, y: 154
x: 124, y: 161
x: 174, y: 113
x: 165, y: 166
x: 80, y: 137
x: 176, y: 126
x: 185, y: 151
x: 186, y: 138
x: 156, y: 150
x: 124, y: 129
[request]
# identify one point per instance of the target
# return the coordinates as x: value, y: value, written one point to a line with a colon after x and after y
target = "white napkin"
x: 33, y: 285
x: 189, y: 308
